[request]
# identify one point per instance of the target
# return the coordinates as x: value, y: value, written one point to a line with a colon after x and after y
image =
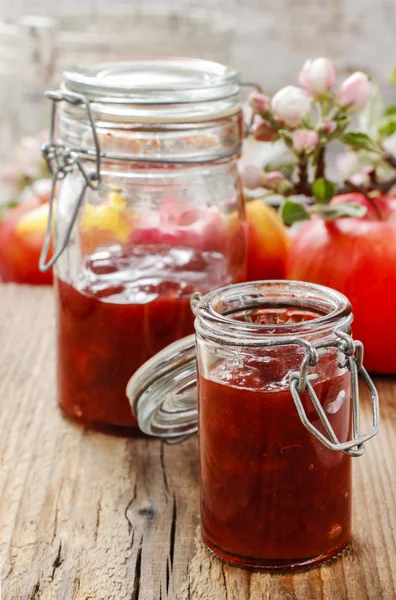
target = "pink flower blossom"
x: 329, y: 126
x: 355, y: 92
x: 317, y: 77
x: 290, y: 105
x: 259, y: 102
x: 276, y: 182
x: 305, y: 140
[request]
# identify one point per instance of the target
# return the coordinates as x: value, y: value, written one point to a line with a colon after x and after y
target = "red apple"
x: 358, y: 258
x: 22, y: 232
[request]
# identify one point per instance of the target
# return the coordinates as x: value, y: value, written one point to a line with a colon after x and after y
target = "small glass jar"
x: 278, y: 404
x: 149, y: 210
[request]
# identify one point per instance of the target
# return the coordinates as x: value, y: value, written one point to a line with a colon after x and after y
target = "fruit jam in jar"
x: 280, y: 497
x: 149, y: 210
x: 277, y: 418
x: 130, y: 302
x: 272, y: 494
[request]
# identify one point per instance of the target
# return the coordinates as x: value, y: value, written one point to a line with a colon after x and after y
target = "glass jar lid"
x: 164, y: 391
x: 168, y: 89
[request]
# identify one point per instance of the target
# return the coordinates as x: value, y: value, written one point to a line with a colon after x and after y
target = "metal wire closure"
x: 61, y: 160
x: 300, y: 382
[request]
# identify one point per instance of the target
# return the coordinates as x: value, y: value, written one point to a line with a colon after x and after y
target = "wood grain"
x: 92, y: 517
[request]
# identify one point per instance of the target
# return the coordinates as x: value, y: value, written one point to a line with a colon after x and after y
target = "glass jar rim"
x: 215, y: 320
x: 153, y: 81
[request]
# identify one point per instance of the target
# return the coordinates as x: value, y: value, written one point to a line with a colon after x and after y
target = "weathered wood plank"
x: 93, y: 517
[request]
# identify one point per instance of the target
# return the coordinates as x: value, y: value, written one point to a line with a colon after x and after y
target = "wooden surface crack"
x: 224, y: 581
x: 173, y: 532
x: 128, y: 506
x: 98, y: 511
x: 57, y: 562
x: 138, y: 569
x: 36, y: 592
x: 163, y: 468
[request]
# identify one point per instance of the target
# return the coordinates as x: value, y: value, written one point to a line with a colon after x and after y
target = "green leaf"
x: 359, y: 141
x: 393, y: 76
x: 323, y: 190
x: 292, y: 212
x: 387, y: 127
x: 338, y: 211
x: 390, y: 110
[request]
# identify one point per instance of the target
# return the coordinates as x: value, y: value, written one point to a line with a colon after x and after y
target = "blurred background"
x: 267, y: 41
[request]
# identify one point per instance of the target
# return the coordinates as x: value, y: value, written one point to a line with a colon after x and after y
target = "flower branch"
x: 307, y: 119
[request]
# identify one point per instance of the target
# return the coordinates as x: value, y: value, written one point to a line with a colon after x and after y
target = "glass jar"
x: 149, y: 210
x: 278, y: 404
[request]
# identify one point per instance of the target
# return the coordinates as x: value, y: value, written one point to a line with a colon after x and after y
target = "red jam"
x: 129, y: 303
x: 271, y: 494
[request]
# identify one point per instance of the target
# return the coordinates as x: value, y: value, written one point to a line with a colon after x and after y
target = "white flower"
x: 355, y: 92
x: 252, y: 177
x: 318, y: 76
x: 290, y: 105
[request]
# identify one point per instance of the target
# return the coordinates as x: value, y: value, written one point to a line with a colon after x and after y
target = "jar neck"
x: 184, y: 142
x: 271, y: 313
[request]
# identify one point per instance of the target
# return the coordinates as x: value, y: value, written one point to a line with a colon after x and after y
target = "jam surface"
x: 129, y: 303
x: 271, y: 494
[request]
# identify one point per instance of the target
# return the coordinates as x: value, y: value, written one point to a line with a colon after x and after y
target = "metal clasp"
x: 300, y: 381
x: 61, y: 160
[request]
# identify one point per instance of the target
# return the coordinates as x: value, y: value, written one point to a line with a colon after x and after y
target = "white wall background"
x: 273, y: 37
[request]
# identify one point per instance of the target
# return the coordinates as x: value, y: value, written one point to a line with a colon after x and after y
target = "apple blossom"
x: 329, y: 126
x: 355, y: 92
x: 318, y: 76
x: 290, y: 105
x: 263, y: 131
x: 362, y: 178
x: 305, y: 140
x: 252, y: 177
x: 276, y: 182
x: 259, y: 102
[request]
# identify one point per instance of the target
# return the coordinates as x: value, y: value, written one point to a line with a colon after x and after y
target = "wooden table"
x: 93, y: 517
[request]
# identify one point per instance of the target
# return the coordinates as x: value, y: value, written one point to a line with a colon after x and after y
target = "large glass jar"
x: 277, y: 407
x: 149, y: 210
